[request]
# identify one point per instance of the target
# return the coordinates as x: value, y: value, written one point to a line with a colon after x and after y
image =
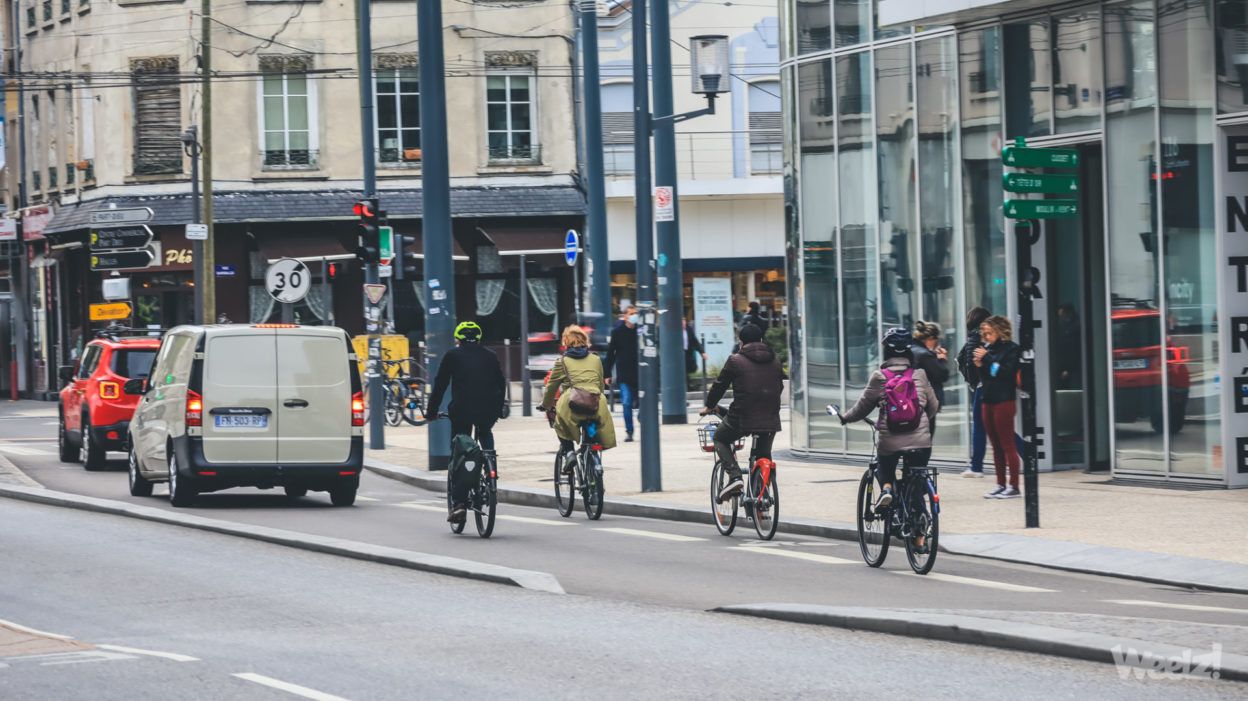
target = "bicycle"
x: 914, y: 513
x: 482, y: 498
x: 586, y: 471
x: 761, y: 498
x: 404, y: 394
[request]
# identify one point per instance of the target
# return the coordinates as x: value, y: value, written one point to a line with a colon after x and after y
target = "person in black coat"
x: 622, y: 359
x: 693, y: 348
x: 930, y: 357
x: 970, y: 372
x: 998, y: 363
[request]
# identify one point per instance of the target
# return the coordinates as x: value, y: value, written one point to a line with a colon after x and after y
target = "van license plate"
x: 1135, y: 364
x: 242, y: 421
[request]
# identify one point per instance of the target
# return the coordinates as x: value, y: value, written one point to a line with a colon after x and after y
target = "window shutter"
x: 617, y: 128
x: 157, y: 116
x: 764, y: 128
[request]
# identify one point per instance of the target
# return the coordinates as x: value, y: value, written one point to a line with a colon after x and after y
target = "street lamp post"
x: 193, y: 149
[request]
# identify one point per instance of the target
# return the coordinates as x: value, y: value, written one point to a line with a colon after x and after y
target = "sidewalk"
x: 1075, y: 507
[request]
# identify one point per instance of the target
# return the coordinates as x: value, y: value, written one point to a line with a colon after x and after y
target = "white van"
x: 263, y: 405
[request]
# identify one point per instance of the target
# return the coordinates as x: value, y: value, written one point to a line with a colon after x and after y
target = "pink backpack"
x: 901, y: 401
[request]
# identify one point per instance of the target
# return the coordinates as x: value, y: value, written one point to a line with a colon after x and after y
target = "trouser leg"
x: 627, y: 395
x: 725, y: 436
x: 979, y: 438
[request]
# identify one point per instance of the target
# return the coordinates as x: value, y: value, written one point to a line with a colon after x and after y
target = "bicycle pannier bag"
x: 901, y: 401
x: 466, y: 461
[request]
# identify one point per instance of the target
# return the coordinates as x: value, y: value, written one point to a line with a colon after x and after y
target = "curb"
x: 989, y: 632
x: 424, y: 562
x: 531, y: 496
x: 8, y: 469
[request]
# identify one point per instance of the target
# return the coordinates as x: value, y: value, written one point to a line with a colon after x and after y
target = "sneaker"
x: 569, y: 462
x: 994, y: 493
x: 736, y: 486
x: 885, y: 500
x: 1009, y: 493
x: 458, y: 514
x: 629, y: 437
x: 968, y: 472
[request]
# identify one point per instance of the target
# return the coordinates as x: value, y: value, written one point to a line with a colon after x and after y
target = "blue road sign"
x: 571, y: 246
x: 226, y: 271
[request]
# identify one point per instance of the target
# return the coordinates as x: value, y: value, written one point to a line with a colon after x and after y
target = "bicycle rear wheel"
x: 592, y: 489
x: 925, y: 524
x: 393, y: 404
x: 487, y: 498
x: 724, y: 512
x: 565, y: 485
x: 414, y: 404
x: 766, y: 504
x: 456, y: 527
x: 872, y: 527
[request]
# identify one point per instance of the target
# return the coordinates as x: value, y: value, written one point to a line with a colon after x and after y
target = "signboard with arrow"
x: 121, y: 237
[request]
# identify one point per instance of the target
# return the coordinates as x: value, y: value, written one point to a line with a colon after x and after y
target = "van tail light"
x: 110, y: 390
x: 194, y: 408
x: 357, y: 409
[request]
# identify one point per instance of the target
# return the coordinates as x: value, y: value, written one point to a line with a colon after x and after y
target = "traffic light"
x: 368, y: 249
x: 401, y: 242
x: 332, y: 270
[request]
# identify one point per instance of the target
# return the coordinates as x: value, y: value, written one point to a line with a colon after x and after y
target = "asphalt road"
x: 187, y: 614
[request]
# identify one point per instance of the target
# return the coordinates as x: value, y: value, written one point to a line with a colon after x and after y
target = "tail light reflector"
x: 208, y: 473
x: 194, y: 408
x: 357, y: 409
x: 346, y: 473
x: 109, y: 390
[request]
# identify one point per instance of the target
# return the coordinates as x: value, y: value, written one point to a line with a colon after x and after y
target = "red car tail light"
x: 357, y: 409
x: 194, y: 408
x: 110, y: 390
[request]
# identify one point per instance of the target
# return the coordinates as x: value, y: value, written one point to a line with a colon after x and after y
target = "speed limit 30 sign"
x: 288, y: 280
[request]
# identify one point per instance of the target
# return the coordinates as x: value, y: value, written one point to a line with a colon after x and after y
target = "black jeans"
x: 886, y: 470
x: 727, y: 434
x: 484, y: 433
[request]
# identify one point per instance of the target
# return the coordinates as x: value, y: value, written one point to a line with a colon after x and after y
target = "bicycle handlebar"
x: 834, y: 410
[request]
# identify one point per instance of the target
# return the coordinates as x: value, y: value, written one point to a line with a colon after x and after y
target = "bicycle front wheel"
x: 724, y: 512
x: 592, y: 489
x: 487, y: 496
x: 766, y: 503
x: 872, y: 527
x: 924, y: 532
x: 565, y: 485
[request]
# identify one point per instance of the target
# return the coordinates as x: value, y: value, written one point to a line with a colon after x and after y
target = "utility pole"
x: 436, y: 202
x: 526, y: 380
x: 209, y: 253
x: 372, y: 312
x: 595, y: 189
x: 190, y: 144
x: 648, y: 416
x: 17, y: 264
x: 670, y: 272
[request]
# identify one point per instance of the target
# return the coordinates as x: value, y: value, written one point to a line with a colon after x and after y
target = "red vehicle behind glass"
x: 94, y: 411
x: 1137, y: 369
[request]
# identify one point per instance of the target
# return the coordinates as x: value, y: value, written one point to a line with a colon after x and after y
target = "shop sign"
x: 178, y: 256
x: 712, y: 318
x: 1232, y: 379
x: 34, y: 221
x: 8, y: 229
x: 111, y: 311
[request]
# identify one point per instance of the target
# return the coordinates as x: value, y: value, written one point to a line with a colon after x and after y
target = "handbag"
x: 581, y: 401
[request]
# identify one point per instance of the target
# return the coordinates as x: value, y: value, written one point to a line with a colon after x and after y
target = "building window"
x: 69, y: 173
x: 510, y: 112
x: 66, y: 6
x: 617, y: 143
x: 765, y: 138
x: 36, y: 181
x: 398, y: 111
x: 288, y: 134
x: 52, y: 180
x: 157, y: 116
x: 47, y: 10
x: 30, y: 17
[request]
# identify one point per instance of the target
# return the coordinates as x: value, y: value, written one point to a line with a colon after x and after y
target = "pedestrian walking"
x: 970, y: 373
x: 755, y: 317
x: 932, y: 359
x: 693, y: 347
x: 622, y: 359
x: 997, y: 361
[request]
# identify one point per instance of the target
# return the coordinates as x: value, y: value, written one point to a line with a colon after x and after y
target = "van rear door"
x: 314, y: 396
x: 240, y: 396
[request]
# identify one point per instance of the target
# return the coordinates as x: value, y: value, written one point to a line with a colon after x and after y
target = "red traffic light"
x: 332, y: 272
x: 365, y: 209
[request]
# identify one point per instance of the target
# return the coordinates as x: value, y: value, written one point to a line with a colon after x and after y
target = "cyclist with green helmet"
x: 474, y: 374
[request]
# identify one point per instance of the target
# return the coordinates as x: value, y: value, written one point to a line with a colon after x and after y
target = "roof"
x: 322, y: 205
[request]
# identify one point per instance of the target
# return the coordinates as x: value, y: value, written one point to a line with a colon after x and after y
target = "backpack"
x: 901, y: 401
x: 466, y: 461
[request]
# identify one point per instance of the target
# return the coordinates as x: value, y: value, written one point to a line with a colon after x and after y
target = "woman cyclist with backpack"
x: 907, y: 405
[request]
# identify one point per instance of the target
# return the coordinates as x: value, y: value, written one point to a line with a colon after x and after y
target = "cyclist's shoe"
x: 996, y: 492
x: 733, y: 488
x: 1009, y: 493
x: 885, y: 500
x: 569, y: 462
x: 459, y: 513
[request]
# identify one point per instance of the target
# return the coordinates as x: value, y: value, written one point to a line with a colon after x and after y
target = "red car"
x: 1137, y: 369
x: 94, y: 411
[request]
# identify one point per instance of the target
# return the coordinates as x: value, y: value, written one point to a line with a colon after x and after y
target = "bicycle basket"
x: 706, y: 438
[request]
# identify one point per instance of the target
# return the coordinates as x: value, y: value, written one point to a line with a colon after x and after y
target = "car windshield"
x: 1137, y: 332
x: 133, y: 363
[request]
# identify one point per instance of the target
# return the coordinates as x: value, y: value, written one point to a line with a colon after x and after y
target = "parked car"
x: 265, y: 405
x: 94, y: 413
x: 1137, y: 369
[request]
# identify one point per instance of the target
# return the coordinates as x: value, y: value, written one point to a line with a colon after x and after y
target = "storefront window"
x: 894, y: 123
x: 936, y: 105
x: 983, y: 236
x: 1028, y: 96
x: 856, y: 185
x: 1077, y: 70
x: 1131, y: 179
x: 813, y: 23
x: 853, y: 21
x: 796, y: 288
x: 1231, y: 60
x: 1189, y: 243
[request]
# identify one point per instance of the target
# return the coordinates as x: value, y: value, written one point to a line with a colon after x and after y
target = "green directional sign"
x: 385, y: 245
x: 1024, y: 157
x: 1048, y: 184
x: 1041, y: 209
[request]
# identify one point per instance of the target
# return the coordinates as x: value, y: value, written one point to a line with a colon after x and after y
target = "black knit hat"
x: 750, y: 334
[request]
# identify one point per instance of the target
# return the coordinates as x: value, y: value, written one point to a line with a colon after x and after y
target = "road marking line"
x: 651, y: 534
x: 32, y: 631
x: 289, y: 688
x: 1185, y: 607
x: 809, y: 557
x: 361, y: 497
x: 986, y: 583
x: 501, y: 517
x: 150, y: 653
x: 20, y: 450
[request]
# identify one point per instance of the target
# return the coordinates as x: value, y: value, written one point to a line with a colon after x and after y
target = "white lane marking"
x: 22, y: 450
x: 651, y: 534
x: 809, y: 557
x: 1184, y: 607
x: 82, y: 657
x: 500, y: 517
x: 289, y: 688
x: 24, y: 629
x: 150, y: 653
x: 985, y: 583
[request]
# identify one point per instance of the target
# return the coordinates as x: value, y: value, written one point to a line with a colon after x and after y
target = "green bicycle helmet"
x: 468, y: 331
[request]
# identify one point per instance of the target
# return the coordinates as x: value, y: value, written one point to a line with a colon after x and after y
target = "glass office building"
x: 895, y: 115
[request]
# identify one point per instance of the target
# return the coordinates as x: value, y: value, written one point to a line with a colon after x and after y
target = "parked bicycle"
x: 482, y: 498
x: 913, y: 517
x: 586, y: 472
x: 761, y: 497
x: 404, y: 392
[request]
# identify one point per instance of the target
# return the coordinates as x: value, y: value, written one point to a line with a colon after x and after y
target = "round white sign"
x: 288, y: 280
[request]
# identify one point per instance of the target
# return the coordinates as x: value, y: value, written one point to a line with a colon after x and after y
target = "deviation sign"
x: 110, y: 312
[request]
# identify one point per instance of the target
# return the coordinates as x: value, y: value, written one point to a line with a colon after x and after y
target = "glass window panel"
x: 385, y: 82
x: 1077, y: 71
x: 1028, y: 101
x: 794, y: 251
x: 274, y: 141
x: 496, y: 116
x: 411, y: 138
x: 411, y: 110
x: 1231, y: 57
x: 387, y: 112
x: 520, y: 117
x: 1130, y: 137
x: 299, y: 141
x: 496, y: 88
x: 296, y: 84
x: 856, y: 184
x: 982, y: 223
x: 853, y: 21
x: 498, y: 143
x: 819, y: 251
x: 274, y: 113
x: 1189, y: 242
x: 297, y: 108
x: 273, y: 84
x: 519, y: 89
x: 521, y: 140
x: 409, y: 80
x: 936, y: 104
x: 814, y: 26
x: 894, y: 120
